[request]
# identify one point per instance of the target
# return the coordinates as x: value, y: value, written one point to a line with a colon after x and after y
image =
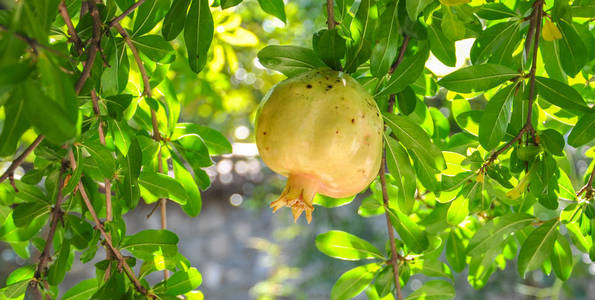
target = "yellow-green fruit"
x: 323, y: 131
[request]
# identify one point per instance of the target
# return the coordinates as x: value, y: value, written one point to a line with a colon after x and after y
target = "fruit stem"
x: 298, y: 195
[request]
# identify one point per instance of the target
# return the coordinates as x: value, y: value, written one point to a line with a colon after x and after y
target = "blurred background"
x: 244, y: 251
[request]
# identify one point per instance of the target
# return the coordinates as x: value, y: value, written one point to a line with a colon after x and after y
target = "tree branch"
x: 78, y: 45
x: 99, y: 226
x: 535, y: 27
x: 391, y: 234
x: 588, y: 188
x: 330, y: 9
x: 19, y: 160
x: 56, y: 216
x: 33, y: 43
x: 128, y: 11
x: 92, y: 53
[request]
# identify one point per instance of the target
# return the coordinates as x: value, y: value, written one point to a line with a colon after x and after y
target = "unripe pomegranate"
x: 323, y: 131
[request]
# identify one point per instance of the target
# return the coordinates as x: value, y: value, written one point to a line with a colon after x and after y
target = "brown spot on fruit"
x: 337, y: 132
x: 309, y: 86
x: 264, y: 133
x: 352, y: 121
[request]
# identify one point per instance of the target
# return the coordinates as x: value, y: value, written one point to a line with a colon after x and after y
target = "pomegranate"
x: 323, y: 131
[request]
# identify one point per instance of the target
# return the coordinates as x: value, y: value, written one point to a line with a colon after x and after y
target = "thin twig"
x: 156, y: 134
x: 33, y: 43
x: 92, y: 52
x: 391, y: 234
x: 19, y: 160
x: 128, y: 11
x: 78, y: 45
x: 56, y: 216
x: 588, y: 188
x: 330, y: 9
x: 528, y: 127
x: 394, y: 66
x: 99, y: 226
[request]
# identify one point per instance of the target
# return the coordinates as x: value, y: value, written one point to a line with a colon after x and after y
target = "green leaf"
x: 496, y: 117
x: 82, y: 290
x: 406, y: 73
x: 345, y: 246
x: 215, y: 141
x: 406, y: 101
x: 553, y: 141
x: 115, y: 78
x: 416, y: 7
x: 131, y: 165
x: 15, y: 290
x: 433, y: 290
x: 354, y: 281
x: 459, y: 207
x: 289, y: 60
x: 495, y: 11
x: 194, y: 204
x: 225, y: 4
x: 148, y: 242
x: 550, y: 53
x: 562, y: 261
x: 416, y: 140
x: 198, y: 33
x: 180, y: 282
x: 155, y: 48
x: 455, y: 252
x: 387, y: 45
x: 330, y: 46
x: 175, y: 19
x: 103, y: 157
x: 274, y: 7
x: 116, y: 105
x: 400, y: 167
x: 573, y: 52
x: 359, y: 48
x: 412, y: 234
x: 493, y: 233
x: 560, y: 94
x: 57, y: 270
x: 493, y: 39
x: 30, y: 193
x: 15, y: 124
x: 48, y: 118
x: 452, y: 27
x: 583, y: 132
x: 327, y: 201
x: 148, y: 16
x: 441, y: 46
x: 163, y: 186
x: 477, y: 78
x: 24, y: 213
x: 537, y: 247
x: 81, y: 230
x: 435, y: 268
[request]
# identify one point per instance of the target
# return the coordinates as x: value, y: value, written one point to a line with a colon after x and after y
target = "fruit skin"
x: 324, y: 131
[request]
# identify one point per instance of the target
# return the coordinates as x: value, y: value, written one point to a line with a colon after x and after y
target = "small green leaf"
x: 289, y: 60
x: 82, y: 290
x: 163, y: 186
x: 537, y: 247
x: 583, y: 132
x: 359, y: 48
x: 225, y: 4
x: 24, y: 213
x: 416, y: 7
x: 180, y: 282
x: 345, y: 246
x: 493, y: 233
x: 477, y: 78
x: 274, y: 7
x: 198, y: 33
x: 495, y: 11
x: 433, y: 290
x: 562, y: 261
x: 493, y: 39
x: 406, y: 73
x: 554, y: 141
x: 573, y: 52
x: 560, y: 94
x: 496, y: 117
x: 412, y: 234
x: 57, y: 270
x: 147, y: 242
x: 400, y: 167
x: 327, y: 201
x: 330, y: 46
x: 215, y: 141
x: 452, y: 26
x: 354, y: 281
x: 387, y: 45
x: 441, y: 46
x: 155, y: 48
x: 103, y: 157
x: 174, y: 19
x: 194, y: 204
x: 459, y: 208
x: 455, y: 252
x: 148, y: 16
x: 416, y: 140
x: 15, y: 124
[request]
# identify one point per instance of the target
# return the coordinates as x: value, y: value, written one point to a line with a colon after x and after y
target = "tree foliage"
x: 85, y: 89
